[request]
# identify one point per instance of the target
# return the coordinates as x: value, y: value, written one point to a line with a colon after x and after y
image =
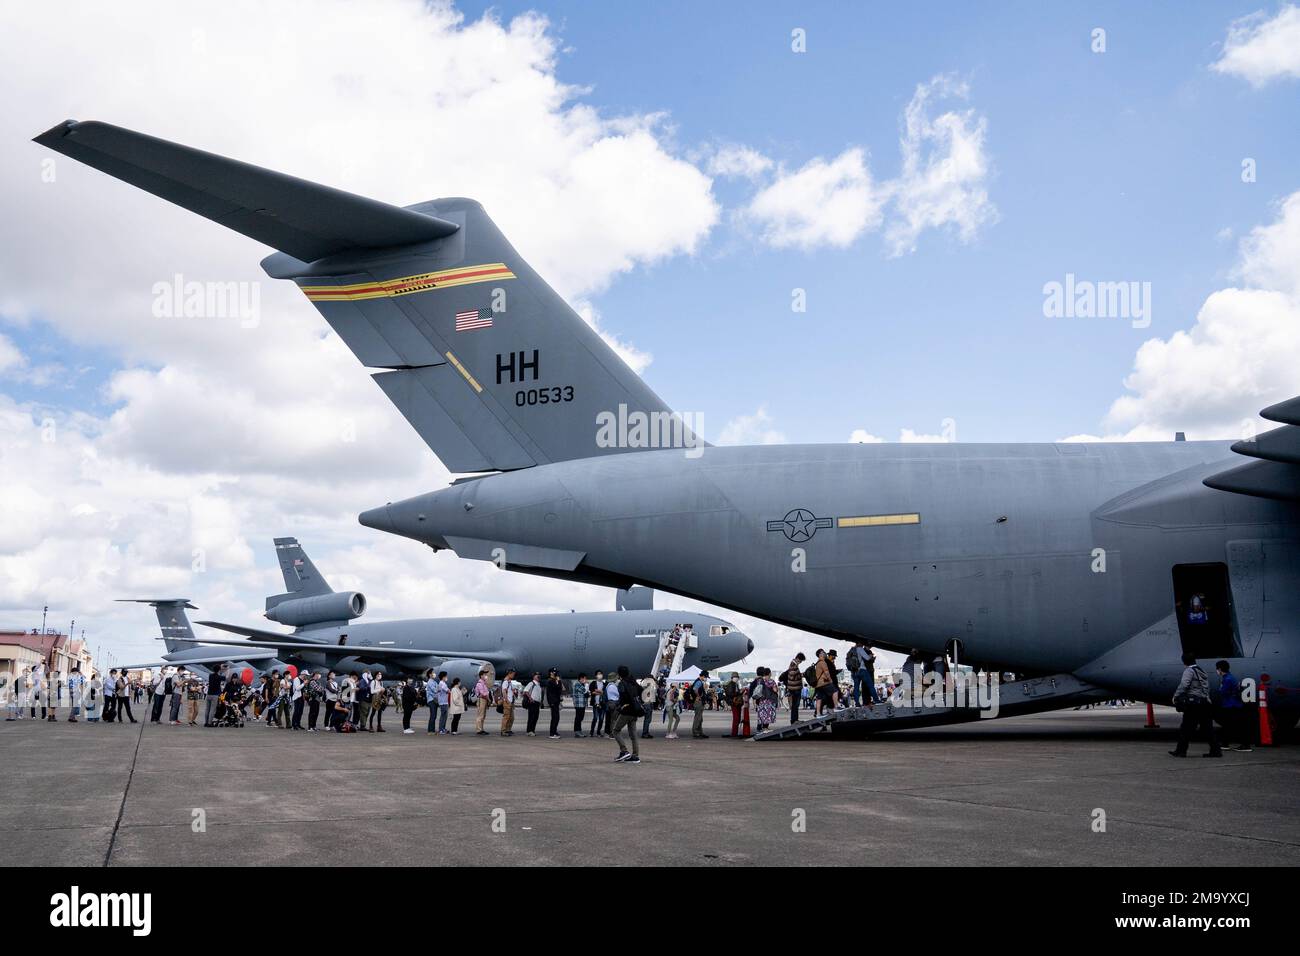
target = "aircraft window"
x: 717, y: 630
x: 873, y: 521
x: 1203, y: 606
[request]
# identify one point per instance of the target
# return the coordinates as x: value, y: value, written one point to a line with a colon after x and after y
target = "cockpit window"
x: 717, y: 630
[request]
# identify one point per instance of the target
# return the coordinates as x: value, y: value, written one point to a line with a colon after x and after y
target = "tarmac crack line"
x: 121, y: 810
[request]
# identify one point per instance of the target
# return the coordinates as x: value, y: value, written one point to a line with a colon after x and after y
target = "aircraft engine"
x: 298, y: 612
x: 466, y: 670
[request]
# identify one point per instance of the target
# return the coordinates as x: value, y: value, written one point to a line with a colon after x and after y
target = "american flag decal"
x: 473, y: 319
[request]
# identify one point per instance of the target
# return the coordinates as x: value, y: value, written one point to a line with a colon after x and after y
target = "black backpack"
x: 629, y: 699
x: 853, y: 660
x: 810, y: 675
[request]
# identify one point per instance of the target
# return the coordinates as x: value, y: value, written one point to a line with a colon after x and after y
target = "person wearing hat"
x: 700, y: 688
x: 554, y: 695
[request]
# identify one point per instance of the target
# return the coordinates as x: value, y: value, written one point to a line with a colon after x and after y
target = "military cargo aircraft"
x: 1105, y: 561
x: 182, y: 651
x: 326, y: 635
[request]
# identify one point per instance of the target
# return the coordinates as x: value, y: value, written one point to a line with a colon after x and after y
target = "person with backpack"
x: 1232, y: 712
x: 624, y: 702
x: 121, y: 698
x: 762, y: 691
x: 672, y: 711
x: 482, y: 697
x: 1192, y: 698
x: 510, y: 690
x: 794, y: 685
x: 699, y: 692
x: 649, y: 695
x: 533, y: 694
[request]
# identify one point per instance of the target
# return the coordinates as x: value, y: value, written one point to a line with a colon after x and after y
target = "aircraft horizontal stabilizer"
x: 304, y: 219
x: 1276, y: 471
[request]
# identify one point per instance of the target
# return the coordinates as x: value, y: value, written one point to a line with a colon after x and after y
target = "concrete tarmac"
x: 1018, y: 791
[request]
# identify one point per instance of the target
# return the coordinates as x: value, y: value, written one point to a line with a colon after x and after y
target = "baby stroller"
x: 230, y: 710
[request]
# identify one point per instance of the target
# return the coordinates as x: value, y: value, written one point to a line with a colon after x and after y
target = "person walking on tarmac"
x: 624, y: 699
x: 1231, y: 712
x: 554, y: 691
x: 1192, y: 698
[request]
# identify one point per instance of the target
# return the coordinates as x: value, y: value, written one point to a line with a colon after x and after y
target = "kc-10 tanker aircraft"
x: 326, y: 636
x: 1105, y: 561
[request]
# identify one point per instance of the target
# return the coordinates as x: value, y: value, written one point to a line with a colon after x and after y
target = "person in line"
x: 510, y: 690
x: 216, y: 680
x: 824, y: 684
x: 794, y: 685
x: 75, y: 687
x: 363, y: 697
x: 332, y: 691
x: 763, y: 692
x: 554, y: 697
x: 296, y: 701
x: 482, y: 696
x: 431, y: 698
x: 313, y: 691
x: 122, y: 698
x: 624, y: 699
x: 699, y: 691
x: 18, y: 702
x: 734, y: 695
x: 194, y: 693
x: 1192, y: 698
x: 533, y: 694
x: 378, y: 702
x: 597, y: 688
x: 580, y: 695
x: 409, y: 695
x: 180, y: 680
x: 444, y: 701
x: 36, y: 691
x: 672, y: 711
x: 456, y: 704
x: 1232, y: 713
x: 157, y: 695
x: 346, y: 701
x: 649, y: 690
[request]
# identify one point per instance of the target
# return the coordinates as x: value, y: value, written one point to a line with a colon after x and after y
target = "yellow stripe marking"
x: 409, y: 285
x: 875, y: 521
x: 464, y: 371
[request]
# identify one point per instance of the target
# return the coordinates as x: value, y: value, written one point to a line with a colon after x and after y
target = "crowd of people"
x: 620, y: 707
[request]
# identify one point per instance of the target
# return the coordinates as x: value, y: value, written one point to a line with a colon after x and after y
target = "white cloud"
x: 861, y: 436
x: 945, y: 168
x: 942, y: 184
x: 738, y: 162
x: 1242, y: 353
x: 755, y: 429
x: 822, y: 203
x: 1259, y: 49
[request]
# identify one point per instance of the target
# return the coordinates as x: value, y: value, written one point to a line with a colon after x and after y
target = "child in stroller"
x: 230, y: 708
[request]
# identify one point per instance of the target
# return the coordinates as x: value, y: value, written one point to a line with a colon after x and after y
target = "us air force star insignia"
x: 800, y: 525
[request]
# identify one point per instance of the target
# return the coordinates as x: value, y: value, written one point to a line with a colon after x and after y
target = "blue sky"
x: 197, y: 435
x: 1122, y: 165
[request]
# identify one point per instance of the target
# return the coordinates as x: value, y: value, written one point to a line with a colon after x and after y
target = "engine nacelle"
x: 466, y: 670
x: 299, y: 612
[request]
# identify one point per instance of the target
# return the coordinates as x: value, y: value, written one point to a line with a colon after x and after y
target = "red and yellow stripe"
x: 409, y: 285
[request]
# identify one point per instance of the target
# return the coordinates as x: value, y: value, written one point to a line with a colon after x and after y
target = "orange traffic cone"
x: 1265, y: 725
x: 745, y: 731
x: 1151, y: 717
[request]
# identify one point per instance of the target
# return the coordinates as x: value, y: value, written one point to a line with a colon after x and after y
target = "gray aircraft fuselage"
x: 1001, y: 553
x: 576, y: 643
